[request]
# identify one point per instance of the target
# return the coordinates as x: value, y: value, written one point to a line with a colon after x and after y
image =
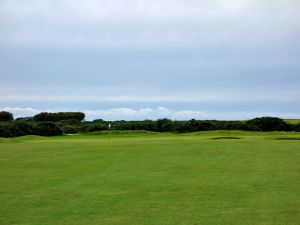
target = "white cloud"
x: 154, y: 113
x: 144, y: 113
x: 117, y: 113
x: 21, y: 112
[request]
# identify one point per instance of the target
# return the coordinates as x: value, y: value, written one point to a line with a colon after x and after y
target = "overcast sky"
x: 139, y: 59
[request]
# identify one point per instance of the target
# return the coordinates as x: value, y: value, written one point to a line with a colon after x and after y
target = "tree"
x: 60, y: 116
x: 5, y: 130
x: 6, y: 116
x: 48, y: 129
x: 268, y: 124
x: 297, y: 127
x: 70, y: 129
x: 27, y: 119
x: 28, y: 128
x: 164, y: 125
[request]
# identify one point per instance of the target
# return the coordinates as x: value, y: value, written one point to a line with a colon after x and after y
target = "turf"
x: 150, y: 178
x: 292, y: 121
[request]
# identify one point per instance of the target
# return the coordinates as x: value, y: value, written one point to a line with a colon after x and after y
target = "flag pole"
x: 109, y: 125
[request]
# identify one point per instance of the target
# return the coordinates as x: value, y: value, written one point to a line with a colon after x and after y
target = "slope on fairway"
x: 219, y: 177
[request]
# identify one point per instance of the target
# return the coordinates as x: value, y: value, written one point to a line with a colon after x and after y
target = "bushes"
x: 48, y: 129
x: 60, y: 116
x: 6, y: 116
x: 91, y: 127
x: 15, y: 129
x: 268, y: 124
x: 70, y: 129
x: 28, y: 128
x: 166, y: 125
x: 163, y: 125
x: 296, y: 127
x: 21, y: 128
x: 69, y: 123
x: 5, y: 130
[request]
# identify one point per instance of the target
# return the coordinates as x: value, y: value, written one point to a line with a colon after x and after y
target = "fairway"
x: 203, y: 178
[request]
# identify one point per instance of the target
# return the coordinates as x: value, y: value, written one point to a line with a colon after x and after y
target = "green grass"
x: 292, y: 121
x: 149, y: 178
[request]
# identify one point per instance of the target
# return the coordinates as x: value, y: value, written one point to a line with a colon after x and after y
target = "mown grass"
x: 149, y: 178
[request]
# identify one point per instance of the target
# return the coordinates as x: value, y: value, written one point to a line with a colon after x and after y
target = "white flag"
x: 109, y: 125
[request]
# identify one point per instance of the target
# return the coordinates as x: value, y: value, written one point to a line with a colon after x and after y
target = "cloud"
x: 136, y: 23
x: 139, y: 53
x: 154, y: 113
x: 145, y: 113
x: 21, y: 112
x: 118, y: 113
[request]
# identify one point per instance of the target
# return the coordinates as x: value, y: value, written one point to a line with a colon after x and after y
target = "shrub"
x: 69, y: 122
x: 11, y: 130
x: 252, y: 127
x: 163, y: 125
x: 297, y: 127
x: 15, y: 130
x: 96, y: 127
x: 69, y: 129
x: 5, y: 130
x: 60, y: 116
x: 6, y: 116
x: 48, y: 129
x: 27, y: 119
x: 268, y: 124
x: 28, y: 128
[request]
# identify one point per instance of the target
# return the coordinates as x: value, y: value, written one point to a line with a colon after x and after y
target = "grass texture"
x: 203, y: 178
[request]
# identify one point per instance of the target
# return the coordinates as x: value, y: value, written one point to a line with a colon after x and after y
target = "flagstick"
x: 109, y: 137
x: 109, y: 125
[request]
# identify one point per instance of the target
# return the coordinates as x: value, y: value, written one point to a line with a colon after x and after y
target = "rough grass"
x: 292, y: 121
x: 150, y: 178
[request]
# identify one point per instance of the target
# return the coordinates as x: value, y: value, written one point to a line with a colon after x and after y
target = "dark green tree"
x: 268, y: 124
x: 6, y: 116
x: 60, y: 116
x: 48, y: 129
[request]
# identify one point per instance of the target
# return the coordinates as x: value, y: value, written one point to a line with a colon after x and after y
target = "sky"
x: 141, y: 59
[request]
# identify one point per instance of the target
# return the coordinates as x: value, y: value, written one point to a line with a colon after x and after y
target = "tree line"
x: 52, y: 124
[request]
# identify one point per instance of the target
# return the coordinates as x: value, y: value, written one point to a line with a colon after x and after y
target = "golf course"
x: 148, y: 178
